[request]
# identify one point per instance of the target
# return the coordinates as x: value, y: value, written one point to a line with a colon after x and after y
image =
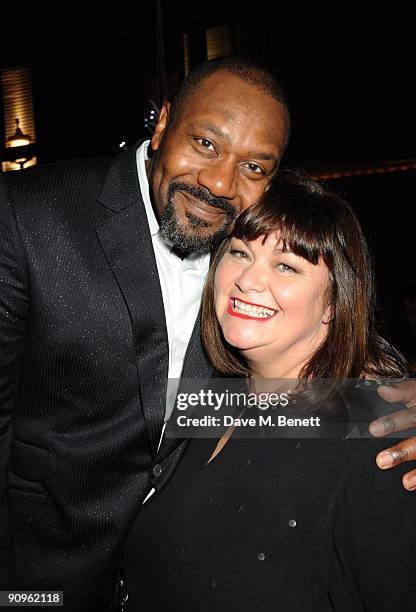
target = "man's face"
x: 214, y: 159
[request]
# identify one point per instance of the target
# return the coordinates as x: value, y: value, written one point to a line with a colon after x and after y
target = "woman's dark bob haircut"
x: 314, y: 224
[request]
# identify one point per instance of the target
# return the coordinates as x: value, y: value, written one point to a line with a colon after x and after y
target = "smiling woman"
x: 270, y: 523
x: 283, y: 317
x: 297, y: 268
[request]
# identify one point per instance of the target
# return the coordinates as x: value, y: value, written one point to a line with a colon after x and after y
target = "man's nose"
x: 220, y: 178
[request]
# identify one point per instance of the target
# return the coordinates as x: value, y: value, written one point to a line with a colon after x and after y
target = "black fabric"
x: 83, y: 368
x: 275, y: 524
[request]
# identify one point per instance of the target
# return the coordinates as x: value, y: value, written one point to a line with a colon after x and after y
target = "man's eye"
x: 205, y: 144
x: 256, y: 169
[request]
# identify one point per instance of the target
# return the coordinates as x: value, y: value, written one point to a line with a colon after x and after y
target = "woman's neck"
x: 264, y: 367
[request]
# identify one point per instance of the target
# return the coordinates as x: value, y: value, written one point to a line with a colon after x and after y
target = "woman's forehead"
x: 274, y: 241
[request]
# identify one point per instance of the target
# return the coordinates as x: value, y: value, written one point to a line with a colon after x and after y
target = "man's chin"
x: 192, y: 234
x: 194, y: 240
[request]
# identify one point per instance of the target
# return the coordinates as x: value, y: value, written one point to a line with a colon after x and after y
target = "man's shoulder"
x: 58, y: 175
x: 66, y: 189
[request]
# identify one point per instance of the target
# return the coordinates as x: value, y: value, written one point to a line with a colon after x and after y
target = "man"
x: 101, y: 279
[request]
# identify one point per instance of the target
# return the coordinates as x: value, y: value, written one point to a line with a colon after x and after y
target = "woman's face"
x: 271, y: 304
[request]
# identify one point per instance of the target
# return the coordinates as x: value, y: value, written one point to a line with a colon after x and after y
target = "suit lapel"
x: 126, y: 242
x: 196, y: 370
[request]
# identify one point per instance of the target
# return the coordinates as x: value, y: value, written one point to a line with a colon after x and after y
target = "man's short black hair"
x: 247, y: 69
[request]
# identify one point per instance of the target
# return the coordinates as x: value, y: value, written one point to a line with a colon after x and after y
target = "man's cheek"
x: 181, y: 165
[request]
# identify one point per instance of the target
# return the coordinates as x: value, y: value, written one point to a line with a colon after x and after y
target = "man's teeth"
x: 260, y: 312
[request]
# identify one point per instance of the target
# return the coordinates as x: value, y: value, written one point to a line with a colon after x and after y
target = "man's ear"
x: 160, y: 126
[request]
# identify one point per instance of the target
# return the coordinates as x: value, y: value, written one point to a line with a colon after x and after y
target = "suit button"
x: 157, y: 470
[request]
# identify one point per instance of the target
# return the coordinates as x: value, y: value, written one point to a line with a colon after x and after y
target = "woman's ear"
x: 327, y: 316
x: 160, y: 126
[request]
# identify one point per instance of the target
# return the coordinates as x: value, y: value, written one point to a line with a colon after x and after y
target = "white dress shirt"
x: 181, y: 281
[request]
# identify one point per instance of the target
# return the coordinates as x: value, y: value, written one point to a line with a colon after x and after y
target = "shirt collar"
x: 194, y: 260
x: 141, y: 157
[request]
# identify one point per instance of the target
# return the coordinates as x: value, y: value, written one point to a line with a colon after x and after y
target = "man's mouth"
x: 202, y: 209
x: 247, y: 310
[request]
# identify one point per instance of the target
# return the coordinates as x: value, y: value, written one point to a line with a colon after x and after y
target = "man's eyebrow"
x: 219, y: 132
x: 212, y: 128
x: 264, y: 156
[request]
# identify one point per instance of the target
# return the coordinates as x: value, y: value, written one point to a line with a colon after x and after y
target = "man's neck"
x: 148, y: 168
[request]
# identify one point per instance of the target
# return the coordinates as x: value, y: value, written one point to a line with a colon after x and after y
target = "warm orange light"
x: 19, y: 122
x: 18, y: 142
x: 384, y: 167
x: 8, y: 165
x: 218, y: 42
x: 18, y: 139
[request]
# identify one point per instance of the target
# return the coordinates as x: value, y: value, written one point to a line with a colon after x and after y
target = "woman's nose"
x: 252, y: 279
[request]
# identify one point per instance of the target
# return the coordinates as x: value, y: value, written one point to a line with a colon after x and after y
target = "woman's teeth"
x: 259, y: 312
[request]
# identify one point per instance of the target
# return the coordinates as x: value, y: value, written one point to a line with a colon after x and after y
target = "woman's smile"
x: 248, y: 310
x: 270, y: 302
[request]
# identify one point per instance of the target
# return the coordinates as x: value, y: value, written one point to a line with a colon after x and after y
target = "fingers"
x: 395, y: 455
x: 404, y: 391
x: 390, y: 457
x: 398, y: 421
x: 409, y: 481
x: 391, y: 423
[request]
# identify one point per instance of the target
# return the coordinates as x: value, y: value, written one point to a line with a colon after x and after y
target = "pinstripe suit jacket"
x: 83, y: 368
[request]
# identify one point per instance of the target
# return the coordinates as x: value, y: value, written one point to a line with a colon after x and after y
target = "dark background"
x: 348, y: 72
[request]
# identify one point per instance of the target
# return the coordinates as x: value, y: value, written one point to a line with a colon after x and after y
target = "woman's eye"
x: 285, y: 268
x: 238, y: 253
x: 205, y: 144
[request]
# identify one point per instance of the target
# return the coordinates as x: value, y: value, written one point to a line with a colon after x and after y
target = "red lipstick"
x: 246, y: 316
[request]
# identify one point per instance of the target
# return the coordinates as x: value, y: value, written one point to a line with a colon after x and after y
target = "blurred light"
x: 18, y: 139
x: 383, y: 168
x: 16, y: 86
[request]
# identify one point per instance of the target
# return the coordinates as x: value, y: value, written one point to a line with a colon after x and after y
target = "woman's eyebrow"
x: 280, y: 249
x: 242, y: 240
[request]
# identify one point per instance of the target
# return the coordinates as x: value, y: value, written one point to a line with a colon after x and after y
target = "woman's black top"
x: 276, y: 524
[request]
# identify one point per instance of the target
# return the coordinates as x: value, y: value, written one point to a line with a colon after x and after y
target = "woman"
x: 282, y: 524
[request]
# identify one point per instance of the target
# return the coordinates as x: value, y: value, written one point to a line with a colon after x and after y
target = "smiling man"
x: 216, y: 151
x: 102, y: 265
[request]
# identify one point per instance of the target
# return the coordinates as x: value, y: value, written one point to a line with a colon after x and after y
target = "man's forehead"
x: 234, y: 106
x: 262, y: 138
x: 225, y: 105
x: 226, y: 86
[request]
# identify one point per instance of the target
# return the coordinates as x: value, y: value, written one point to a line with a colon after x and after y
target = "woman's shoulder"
x: 368, y: 491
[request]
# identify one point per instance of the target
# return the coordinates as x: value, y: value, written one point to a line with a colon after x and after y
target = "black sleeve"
x: 373, y: 563
x: 13, y: 322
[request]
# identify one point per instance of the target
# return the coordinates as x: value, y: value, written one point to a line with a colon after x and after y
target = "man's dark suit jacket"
x: 83, y: 369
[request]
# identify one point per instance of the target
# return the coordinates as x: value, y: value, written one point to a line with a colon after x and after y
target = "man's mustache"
x: 200, y: 194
